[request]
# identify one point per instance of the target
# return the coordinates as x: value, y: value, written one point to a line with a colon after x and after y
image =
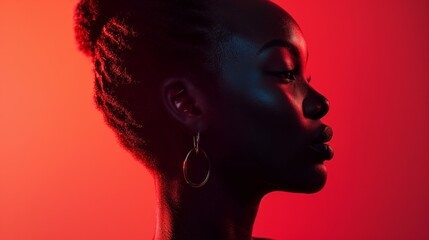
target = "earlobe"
x: 181, y: 102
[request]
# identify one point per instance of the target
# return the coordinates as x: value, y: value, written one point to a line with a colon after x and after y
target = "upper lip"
x: 325, y: 135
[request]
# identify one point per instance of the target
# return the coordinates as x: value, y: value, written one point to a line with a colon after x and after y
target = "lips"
x: 323, y: 150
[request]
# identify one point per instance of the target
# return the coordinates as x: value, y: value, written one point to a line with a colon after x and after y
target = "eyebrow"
x: 280, y: 43
x: 277, y: 43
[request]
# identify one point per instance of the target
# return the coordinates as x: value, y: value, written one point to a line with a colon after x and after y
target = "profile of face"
x: 263, y: 115
x: 259, y: 117
x: 253, y: 109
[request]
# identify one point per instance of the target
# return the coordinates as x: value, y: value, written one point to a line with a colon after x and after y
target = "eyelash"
x: 287, y: 76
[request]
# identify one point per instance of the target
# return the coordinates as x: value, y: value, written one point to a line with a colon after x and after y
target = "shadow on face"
x: 264, y: 125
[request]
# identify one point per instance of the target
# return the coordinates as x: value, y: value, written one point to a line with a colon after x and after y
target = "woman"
x: 213, y: 97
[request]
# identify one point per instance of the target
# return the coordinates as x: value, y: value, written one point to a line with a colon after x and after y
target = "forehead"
x: 259, y: 22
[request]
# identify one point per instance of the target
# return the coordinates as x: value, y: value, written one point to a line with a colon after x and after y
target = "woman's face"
x: 265, y: 119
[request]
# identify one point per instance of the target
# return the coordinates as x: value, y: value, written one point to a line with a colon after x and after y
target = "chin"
x: 315, y: 180
x: 309, y: 180
x: 314, y: 188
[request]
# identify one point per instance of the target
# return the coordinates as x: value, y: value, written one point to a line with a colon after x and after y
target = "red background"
x: 63, y: 175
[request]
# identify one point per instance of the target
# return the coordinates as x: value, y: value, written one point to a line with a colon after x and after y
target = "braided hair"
x: 133, y: 45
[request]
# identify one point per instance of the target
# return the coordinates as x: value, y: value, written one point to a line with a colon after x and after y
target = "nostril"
x: 315, y: 108
x: 324, y: 108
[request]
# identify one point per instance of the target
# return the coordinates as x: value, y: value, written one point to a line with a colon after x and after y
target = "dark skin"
x: 259, y: 124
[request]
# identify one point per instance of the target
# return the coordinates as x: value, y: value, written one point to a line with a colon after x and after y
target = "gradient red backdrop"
x: 63, y: 175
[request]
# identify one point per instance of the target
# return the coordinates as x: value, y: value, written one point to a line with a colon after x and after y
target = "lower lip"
x: 323, y: 151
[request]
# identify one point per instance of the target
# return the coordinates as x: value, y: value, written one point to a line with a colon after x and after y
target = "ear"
x: 185, y: 103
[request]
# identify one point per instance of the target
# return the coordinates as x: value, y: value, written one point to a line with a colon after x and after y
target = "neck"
x: 210, y: 212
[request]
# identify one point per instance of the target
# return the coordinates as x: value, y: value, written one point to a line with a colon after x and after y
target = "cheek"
x: 256, y: 110
x: 273, y: 106
x: 267, y: 117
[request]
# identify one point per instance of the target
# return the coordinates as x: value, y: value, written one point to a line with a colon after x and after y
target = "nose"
x: 315, y: 105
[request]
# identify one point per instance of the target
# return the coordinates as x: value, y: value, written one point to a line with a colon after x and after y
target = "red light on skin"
x: 64, y: 176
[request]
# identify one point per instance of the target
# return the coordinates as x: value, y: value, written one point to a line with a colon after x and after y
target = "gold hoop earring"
x: 198, y: 154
